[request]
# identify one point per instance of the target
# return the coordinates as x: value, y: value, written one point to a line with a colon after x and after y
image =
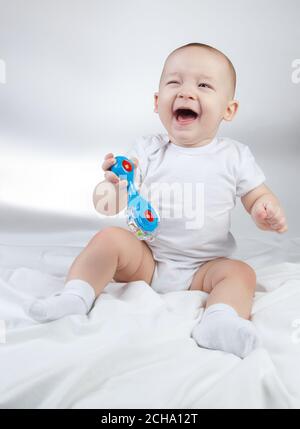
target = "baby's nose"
x: 187, y: 94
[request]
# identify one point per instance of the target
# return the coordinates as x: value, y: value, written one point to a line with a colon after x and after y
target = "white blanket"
x: 134, y: 349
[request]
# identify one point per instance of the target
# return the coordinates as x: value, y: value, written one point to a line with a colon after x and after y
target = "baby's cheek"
x: 211, y: 109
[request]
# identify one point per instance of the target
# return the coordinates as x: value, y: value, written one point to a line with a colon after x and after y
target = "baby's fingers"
x: 284, y: 229
x: 272, y: 212
x: 114, y: 179
x: 109, y: 162
x: 136, y: 164
x: 259, y: 212
x: 111, y: 177
x: 135, y: 161
x: 278, y: 224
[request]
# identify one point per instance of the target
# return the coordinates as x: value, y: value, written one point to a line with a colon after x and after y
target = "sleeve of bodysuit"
x: 138, y: 150
x: 250, y: 175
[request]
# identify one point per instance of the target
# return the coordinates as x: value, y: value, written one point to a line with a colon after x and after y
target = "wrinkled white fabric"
x: 134, y: 349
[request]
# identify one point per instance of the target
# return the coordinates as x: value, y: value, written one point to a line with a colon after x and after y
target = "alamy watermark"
x: 296, y: 333
x: 2, y: 71
x: 173, y: 201
x: 2, y: 332
x: 296, y: 72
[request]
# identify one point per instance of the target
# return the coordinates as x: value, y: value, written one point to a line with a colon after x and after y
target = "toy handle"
x: 141, y: 216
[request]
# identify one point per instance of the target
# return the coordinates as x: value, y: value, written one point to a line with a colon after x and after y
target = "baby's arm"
x: 109, y: 198
x: 265, y: 209
x: 110, y: 195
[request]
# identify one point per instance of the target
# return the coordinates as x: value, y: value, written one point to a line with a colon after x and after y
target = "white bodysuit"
x: 193, y: 190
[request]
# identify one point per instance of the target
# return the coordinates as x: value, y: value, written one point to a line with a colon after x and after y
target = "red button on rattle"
x: 126, y: 165
x: 149, y: 216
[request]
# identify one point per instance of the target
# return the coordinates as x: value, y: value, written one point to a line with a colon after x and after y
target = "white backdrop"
x: 78, y: 79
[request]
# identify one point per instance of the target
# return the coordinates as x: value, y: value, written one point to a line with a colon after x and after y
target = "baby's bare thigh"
x: 214, y: 271
x: 199, y: 279
x: 135, y: 260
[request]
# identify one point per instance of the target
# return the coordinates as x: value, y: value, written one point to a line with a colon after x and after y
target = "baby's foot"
x: 76, y: 298
x: 221, y: 328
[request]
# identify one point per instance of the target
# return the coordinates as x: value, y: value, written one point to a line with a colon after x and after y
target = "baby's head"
x: 201, y: 78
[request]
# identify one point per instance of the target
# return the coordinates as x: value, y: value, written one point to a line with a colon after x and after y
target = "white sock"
x: 221, y: 328
x: 77, y: 297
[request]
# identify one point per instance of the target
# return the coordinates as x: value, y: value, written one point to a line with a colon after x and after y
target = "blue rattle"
x: 142, y: 219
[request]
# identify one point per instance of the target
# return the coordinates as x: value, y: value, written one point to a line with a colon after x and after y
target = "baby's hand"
x: 269, y: 216
x: 109, y: 161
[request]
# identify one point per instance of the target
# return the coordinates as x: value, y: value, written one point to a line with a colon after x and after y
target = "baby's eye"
x: 173, y: 81
x: 204, y: 85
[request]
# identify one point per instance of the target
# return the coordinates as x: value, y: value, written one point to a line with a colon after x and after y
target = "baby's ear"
x: 231, y: 110
x: 156, y: 102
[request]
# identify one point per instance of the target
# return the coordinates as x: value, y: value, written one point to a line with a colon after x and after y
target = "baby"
x: 196, y: 93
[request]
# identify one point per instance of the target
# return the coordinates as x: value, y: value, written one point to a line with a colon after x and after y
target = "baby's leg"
x: 225, y: 325
x: 113, y: 253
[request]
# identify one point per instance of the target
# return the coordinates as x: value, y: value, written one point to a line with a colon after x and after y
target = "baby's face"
x: 198, y: 79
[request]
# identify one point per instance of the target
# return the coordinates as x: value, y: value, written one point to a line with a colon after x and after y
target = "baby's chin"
x: 189, y: 139
x: 187, y: 135
x: 186, y: 141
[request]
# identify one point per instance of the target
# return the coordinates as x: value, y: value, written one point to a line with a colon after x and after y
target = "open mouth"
x: 185, y: 116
